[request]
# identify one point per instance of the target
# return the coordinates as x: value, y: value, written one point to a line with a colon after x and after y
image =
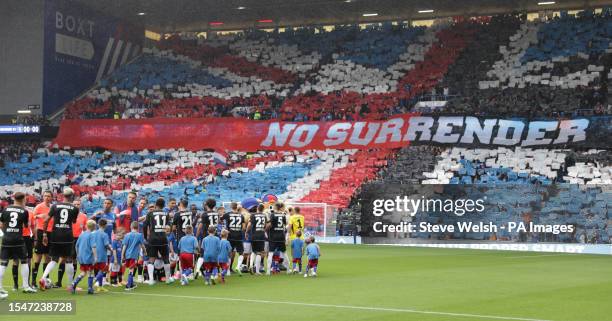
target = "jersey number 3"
x: 13, y: 221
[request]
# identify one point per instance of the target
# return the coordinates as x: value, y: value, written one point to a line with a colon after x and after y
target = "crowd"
x: 136, y: 241
x: 503, y: 65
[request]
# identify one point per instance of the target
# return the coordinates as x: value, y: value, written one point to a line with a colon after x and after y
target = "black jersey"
x: 234, y: 223
x: 63, y: 215
x: 258, y: 227
x: 156, y: 223
x: 278, y: 223
x: 182, y: 219
x: 13, y: 218
x: 197, y: 218
x: 210, y: 219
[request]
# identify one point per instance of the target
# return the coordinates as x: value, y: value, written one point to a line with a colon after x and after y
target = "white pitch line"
x: 317, y: 305
x: 528, y: 256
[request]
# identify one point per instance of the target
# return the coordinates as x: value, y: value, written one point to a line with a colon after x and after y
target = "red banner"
x: 232, y: 134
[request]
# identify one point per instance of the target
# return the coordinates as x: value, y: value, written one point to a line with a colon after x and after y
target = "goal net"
x: 315, y: 216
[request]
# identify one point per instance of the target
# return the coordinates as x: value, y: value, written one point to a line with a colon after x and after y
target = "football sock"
x: 150, y: 270
x: 300, y: 265
x: 199, y: 263
x: 251, y: 261
x: 74, y: 269
x: 35, y: 272
x: 48, y: 269
x: 45, y: 266
x: 70, y: 271
x: 90, y: 281
x: 130, y: 281
x: 257, y: 263
x: 60, y: 273
x: 2, y: 269
x: 78, y: 279
x: 314, y: 268
x: 269, y: 265
x: 239, y: 264
x: 285, y: 260
x: 139, y: 269
x: 99, y: 278
x: 25, y: 274
x: 167, y: 271
x: 15, y: 276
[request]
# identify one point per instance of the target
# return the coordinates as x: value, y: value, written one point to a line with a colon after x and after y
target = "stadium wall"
x: 573, y: 248
x: 21, y: 54
x: 81, y: 46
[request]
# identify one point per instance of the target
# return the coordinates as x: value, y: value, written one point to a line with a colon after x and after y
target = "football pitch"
x: 373, y: 283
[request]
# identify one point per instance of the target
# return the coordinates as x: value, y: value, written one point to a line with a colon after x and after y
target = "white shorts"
x: 247, y: 248
x: 174, y: 258
x: 115, y: 267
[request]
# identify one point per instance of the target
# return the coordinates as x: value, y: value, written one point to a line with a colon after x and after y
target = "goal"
x: 315, y: 216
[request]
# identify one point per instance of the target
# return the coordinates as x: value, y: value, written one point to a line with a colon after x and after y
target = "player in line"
x: 12, y: 221
x: 103, y: 245
x: 61, y: 240
x: 41, y: 251
x: 133, y: 243
x: 78, y: 228
x: 297, y: 251
x: 188, y: 246
x: 27, y: 240
x: 210, y: 218
x: 295, y: 226
x: 313, y: 252
x: 235, y: 223
x: 157, y: 241
x: 86, y: 256
x: 256, y: 232
x: 117, y: 269
x: 225, y: 248
x: 210, y: 249
x: 276, y: 228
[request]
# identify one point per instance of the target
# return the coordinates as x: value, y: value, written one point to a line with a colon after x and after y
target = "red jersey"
x: 26, y: 229
x: 43, y: 210
x: 124, y: 220
x: 79, y: 226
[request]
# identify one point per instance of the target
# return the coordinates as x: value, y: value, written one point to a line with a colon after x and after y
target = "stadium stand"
x: 95, y: 175
x: 559, y: 66
x: 518, y: 183
x: 488, y: 65
x: 500, y: 65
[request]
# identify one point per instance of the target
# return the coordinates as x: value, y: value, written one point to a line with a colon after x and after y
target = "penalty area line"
x: 334, y: 306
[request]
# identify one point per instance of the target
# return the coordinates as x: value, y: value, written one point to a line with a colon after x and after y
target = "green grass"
x: 406, y: 281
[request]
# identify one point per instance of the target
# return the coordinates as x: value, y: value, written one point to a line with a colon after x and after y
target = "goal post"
x: 315, y: 216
